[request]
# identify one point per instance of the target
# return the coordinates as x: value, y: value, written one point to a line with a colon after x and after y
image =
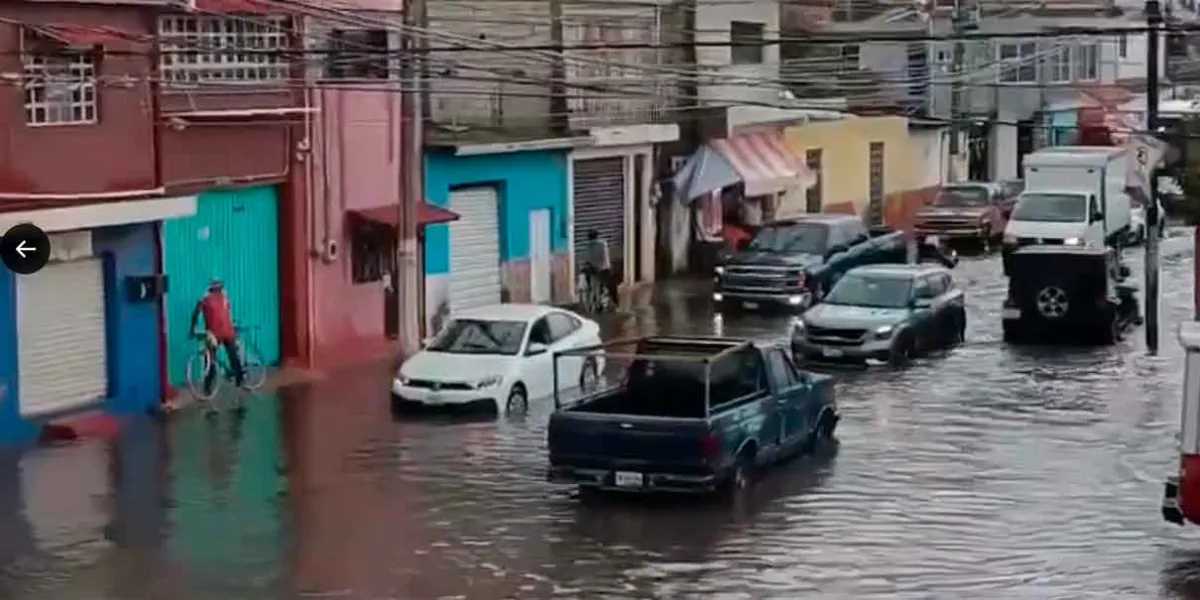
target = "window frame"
x: 372, y: 253
x: 364, y: 58
x: 747, y: 42
x: 1062, y: 66
x: 67, y: 73
x: 1087, y: 56
x: 181, y: 64
x: 1020, y: 72
x: 574, y: 323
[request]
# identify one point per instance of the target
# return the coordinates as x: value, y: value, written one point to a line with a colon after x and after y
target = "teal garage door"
x: 234, y: 236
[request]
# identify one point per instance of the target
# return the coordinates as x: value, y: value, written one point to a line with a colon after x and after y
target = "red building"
x: 159, y: 154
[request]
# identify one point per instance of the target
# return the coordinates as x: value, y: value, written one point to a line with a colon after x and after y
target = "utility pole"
x: 412, y: 177
x: 1154, y: 20
x: 959, y: 24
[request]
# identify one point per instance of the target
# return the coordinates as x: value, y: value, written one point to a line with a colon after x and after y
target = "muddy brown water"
x: 990, y: 472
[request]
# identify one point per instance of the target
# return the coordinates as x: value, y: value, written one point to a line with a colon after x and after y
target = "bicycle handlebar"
x: 203, y: 335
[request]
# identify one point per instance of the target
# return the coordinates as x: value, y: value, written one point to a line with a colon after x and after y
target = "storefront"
x: 84, y: 331
x: 733, y: 185
x: 234, y: 237
x: 612, y: 193
x: 509, y: 242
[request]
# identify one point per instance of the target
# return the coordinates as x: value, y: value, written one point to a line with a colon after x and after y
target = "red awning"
x: 764, y: 161
x: 427, y: 214
x: 81, y: 36
x: 248, y: 7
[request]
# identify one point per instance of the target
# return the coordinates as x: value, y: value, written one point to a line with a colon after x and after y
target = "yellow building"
x: 845, y: 153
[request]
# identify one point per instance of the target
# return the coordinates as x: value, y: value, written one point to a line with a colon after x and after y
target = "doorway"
x: 640, y: 208
x: 1025, y: 143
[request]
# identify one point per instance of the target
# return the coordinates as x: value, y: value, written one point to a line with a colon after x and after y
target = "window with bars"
x: 746, y: 42
x: 1018, y: 62
x: 60, y: 86
x: 198, y: 49
x: 813, y: 195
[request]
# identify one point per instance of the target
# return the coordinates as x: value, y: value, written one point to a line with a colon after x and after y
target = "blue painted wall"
x: 132, y: 330
x: 1063, y: 127
x: 525, y: 181
x: 134, y: 379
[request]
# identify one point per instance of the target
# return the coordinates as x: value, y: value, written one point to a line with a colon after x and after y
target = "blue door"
x: 234, y: 237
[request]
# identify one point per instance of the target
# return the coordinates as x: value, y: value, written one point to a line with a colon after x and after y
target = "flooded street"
x: 991, y: 472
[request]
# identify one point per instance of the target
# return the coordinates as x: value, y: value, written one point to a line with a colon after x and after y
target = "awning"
x: 427, y: 214
x: 81, y: 36
x: 759, y: 161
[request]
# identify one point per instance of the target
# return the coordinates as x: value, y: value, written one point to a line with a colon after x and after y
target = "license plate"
x: 628, y: 479
x: 750, y: 305
x: 433, y: 399
x: 832, y: 353
x: 1010, y: 313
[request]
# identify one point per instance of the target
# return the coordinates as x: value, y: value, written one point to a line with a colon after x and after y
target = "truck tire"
x: 742, y: 475
x: 1013, y: 334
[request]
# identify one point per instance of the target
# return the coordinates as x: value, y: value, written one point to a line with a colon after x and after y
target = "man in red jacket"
x: 220, y: 331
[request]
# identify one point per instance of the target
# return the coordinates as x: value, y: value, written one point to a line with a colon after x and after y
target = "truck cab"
x: 1074, y: 196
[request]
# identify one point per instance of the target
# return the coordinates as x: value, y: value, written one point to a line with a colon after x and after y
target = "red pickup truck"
x: 969, y: 210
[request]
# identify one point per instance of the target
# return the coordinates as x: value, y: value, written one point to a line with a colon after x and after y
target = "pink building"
x: 355, y: 177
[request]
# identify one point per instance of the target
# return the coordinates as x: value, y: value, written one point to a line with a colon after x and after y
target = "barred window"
x: 60, y: 88
x: 197, y: 49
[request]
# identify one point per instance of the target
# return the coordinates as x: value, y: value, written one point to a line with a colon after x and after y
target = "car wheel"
x: 518, y: 401
x: 588, y: 378
x: 958, y: 330
x: 902, y: 350
x: 743, y: 470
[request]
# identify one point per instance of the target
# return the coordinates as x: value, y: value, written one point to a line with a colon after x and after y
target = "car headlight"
x: 884, y: 332
x: 402, y: 379
x: 1072, y: 241
x: 488, y: 382
x: 798, y: 326
x: 719, y: 270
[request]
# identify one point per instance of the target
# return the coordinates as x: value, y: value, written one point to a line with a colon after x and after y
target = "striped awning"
x: 764, y: 161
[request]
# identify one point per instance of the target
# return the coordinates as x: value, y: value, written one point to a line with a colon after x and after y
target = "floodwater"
x: 991, y: 472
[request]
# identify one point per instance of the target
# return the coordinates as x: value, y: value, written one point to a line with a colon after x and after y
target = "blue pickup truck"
x: 790, y: 263
x: 689, y: 415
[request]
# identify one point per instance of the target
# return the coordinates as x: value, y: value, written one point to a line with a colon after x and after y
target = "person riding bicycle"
x: 219, y: 331
x: 598, y: 264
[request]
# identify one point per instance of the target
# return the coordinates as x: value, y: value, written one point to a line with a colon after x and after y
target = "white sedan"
x: 499, y: 356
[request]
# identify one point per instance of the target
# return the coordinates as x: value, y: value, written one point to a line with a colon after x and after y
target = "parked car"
x: 790, y: 263
x: 884, y: 312
x: 971, y: 210
x: 1068, y: 294
x: 497, y: 357
x: 689, y: 415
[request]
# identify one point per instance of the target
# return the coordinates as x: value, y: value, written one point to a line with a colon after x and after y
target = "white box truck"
x: 1074, y: 195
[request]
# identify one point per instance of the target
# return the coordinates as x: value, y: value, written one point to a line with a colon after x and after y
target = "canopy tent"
x: 759, y: 161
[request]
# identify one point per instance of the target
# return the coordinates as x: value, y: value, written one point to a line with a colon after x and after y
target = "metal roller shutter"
x: 61, y: 339
x: 474, y: 248
x: 600, y: 204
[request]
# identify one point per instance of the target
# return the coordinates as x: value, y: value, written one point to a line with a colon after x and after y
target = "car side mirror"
x: 1097, y: 216
x: 536, y: 348
x: 922, y: 303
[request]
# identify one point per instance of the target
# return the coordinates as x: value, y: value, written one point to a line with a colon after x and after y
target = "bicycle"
x: 593, y: 296
x: 207, y: 357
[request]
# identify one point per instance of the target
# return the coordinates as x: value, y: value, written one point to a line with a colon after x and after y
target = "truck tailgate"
x: 649, y: 444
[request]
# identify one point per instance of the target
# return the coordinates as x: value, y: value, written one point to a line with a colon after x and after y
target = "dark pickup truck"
x: 790, y: 263
x: 688, y: 415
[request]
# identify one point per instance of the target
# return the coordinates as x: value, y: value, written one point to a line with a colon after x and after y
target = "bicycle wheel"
x: 198, y: 367
x: 254, y: 372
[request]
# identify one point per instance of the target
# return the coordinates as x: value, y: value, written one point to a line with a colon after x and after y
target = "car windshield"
x: 791, y: 238
x: 962, y: 196
x: 479, y: 336
x: 1054, y: 208
x: 870, y: 291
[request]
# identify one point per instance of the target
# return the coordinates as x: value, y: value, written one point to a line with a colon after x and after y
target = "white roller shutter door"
x: 599, y: 185
x: 61, y: 347
x: 474, y: 248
